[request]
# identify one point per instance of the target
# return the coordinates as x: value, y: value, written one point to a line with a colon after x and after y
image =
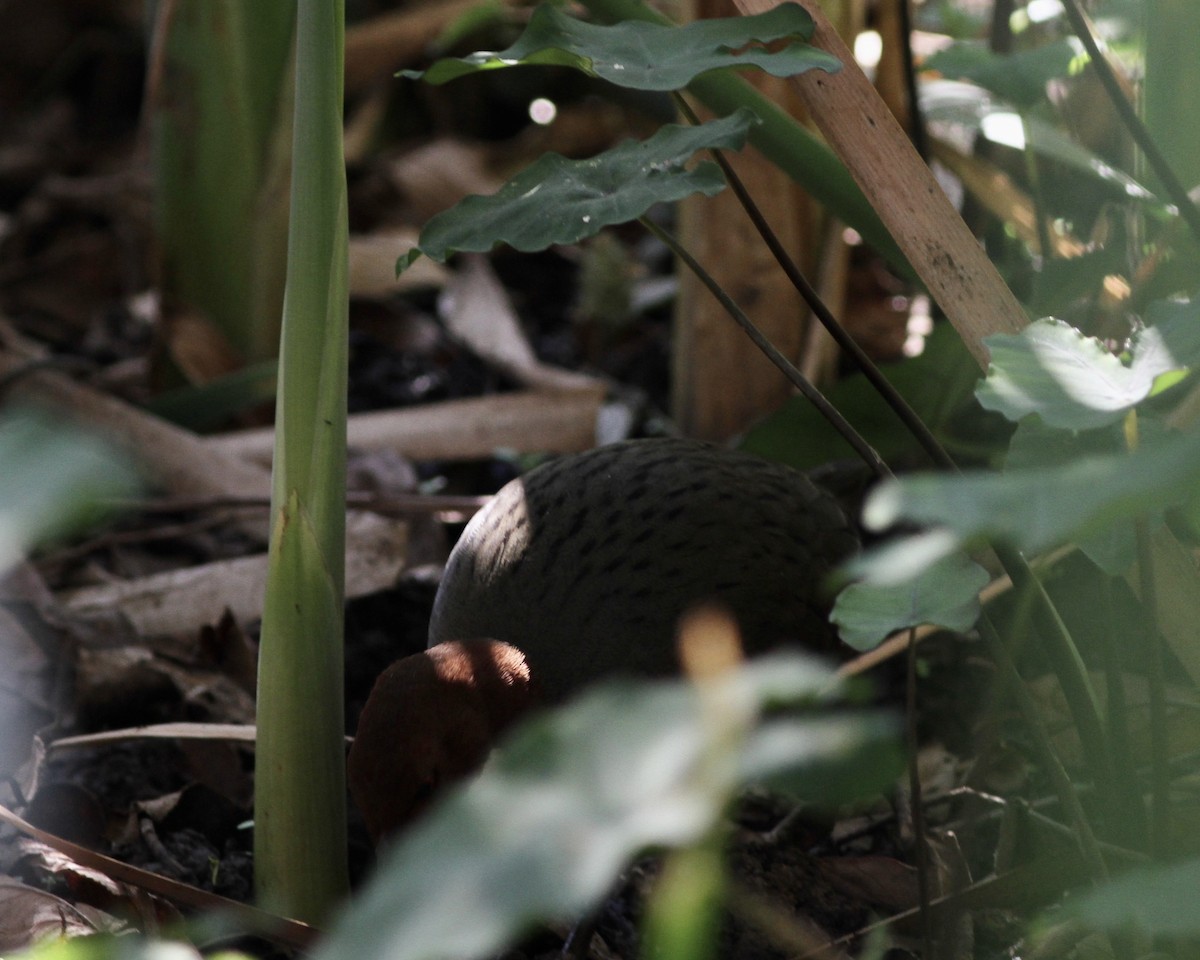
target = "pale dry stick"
x: 182, y: 463
x: 169, y: 457
x: 868, y: 140
x: 275, y: 928
x: 182, y: 600
x: 466, y: 429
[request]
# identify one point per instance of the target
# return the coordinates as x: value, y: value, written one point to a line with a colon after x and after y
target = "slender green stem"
x: 797, y: 379
x: 1158, y: 163
x: 1132, y: 830
x: 917, y: 800
x: 1045, y: 245
x: 1063, y: 787
x: 1160, y: 774
x: 1067, y: 663
x: 916, y: 119
x: 875, y: 377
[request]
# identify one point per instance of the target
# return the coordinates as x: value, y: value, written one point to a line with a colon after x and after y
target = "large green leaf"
x: 557, y: 200
x: 53, y: 480
x: 975, y: 112
x: 1041, y: 507
x: 649, y: 56
x: 1074, y: 382
x: 946, y: 594
x: 1034, y: 444
x: 1159, y: 900
x: 1021, y: 77
x: 547, y: 826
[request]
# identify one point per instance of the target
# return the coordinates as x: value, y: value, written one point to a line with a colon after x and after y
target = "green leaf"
x: 1069, y: 380
x: 649, y: 56
x: 976, y: 113
x: 1021, y: 78
x: 208, y: 405
x: 1160, y: 900
x: 946, y: 593
x: 1072, y: 381
x: 1041, y: 507
x: 1173, y: 330
x: 1062, y: 282
x: 825, y: 761
x: 53, y: 481
x: 300, y: 725
x: 1034, y: 444
x: 548, y: 825
x: 557, y: 200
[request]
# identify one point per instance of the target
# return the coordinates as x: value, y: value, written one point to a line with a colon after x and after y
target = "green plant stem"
x: 1063, y: 787
x: 1158, y: 163
x: 916, y: 119
x: 1160, y: 774
x: 217, y: 105
x: 795, y: 377
x: 916, y: 795
x: 300, y: 792
x: 1117, y: 712
x: 1045, y: 245
x: 891, y: 396
x: 1066, y: 662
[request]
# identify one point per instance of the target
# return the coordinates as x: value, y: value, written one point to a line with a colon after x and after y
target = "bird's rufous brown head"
x: 431, y: 719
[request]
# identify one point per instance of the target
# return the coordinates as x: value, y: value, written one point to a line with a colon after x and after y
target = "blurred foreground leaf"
x: 53, y: 480
x: 1159, y: 900
x: 545, y: 829
x: 1040, y: 507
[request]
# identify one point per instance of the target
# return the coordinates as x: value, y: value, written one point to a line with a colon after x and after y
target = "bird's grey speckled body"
x: 586, y: 563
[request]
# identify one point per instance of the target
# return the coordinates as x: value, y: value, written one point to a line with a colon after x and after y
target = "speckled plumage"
x: 587, y: 562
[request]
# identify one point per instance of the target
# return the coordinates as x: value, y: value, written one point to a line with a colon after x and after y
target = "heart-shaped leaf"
x: 557, y: 200
x: 649, y: 56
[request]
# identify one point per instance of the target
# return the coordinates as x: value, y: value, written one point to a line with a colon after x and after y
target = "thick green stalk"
x: 300, y: 815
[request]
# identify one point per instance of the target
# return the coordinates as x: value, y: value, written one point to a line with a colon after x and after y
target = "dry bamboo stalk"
x: 864, y: 134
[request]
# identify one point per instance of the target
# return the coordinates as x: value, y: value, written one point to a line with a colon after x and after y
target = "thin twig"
x: 917, y: 808
x: 916, y: 119
x: 1158, y: 163
x: 825, y: 317
x: 795, y: 377
x: 1063, y: 786
x: 1160, y: 774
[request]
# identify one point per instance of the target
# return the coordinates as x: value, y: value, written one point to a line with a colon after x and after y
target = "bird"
x: 580, y: 570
